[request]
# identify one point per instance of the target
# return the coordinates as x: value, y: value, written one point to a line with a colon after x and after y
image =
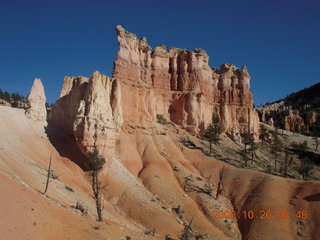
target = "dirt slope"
x: 146, y: 184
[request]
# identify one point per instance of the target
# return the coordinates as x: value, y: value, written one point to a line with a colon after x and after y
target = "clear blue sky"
x: 279, y: 41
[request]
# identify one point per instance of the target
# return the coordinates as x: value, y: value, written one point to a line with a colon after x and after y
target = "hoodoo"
x: 175, y: 83
x: 37, y: 100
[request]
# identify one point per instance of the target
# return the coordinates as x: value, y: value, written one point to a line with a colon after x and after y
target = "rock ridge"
x: 175, y: 83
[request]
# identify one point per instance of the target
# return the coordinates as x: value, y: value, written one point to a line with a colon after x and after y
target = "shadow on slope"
x: 313, y: 197
x: 66, y: 145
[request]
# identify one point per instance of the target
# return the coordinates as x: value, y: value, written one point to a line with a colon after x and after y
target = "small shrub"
x: 128, y: 238
x: 69, y: 188
x: 79, y: 206
x: 161, y: 119
x: 150, y: 232
x: 179, y: 211
x: 199, y: 178
x: 199, y: 237
x: 96, y: 227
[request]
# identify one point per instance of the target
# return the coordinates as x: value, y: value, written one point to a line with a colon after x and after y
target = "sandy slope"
x: 145, y: 183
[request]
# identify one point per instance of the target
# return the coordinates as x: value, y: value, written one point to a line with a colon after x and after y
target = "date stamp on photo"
x: 261, y: 214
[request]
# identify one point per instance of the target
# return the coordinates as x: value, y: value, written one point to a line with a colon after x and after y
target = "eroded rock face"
x: 180, y: 85
x: 90, y: 109
x: 37, y: 100
x: 176, y: 83
x: 294, y: 122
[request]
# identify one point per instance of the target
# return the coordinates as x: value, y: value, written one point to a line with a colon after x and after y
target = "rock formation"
x: 90, y: 110
x: 298, y: 112
x: 37, y: 100
x: 178, y: 84
x: 271, y: 122
x: 293, y: 122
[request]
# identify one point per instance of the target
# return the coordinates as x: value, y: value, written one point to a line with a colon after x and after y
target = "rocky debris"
x: 37, y: 101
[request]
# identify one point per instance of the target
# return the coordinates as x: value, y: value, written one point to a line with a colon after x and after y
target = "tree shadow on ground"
x: 313, y: 197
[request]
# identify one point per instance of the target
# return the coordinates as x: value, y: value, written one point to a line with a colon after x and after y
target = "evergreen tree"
x: 276, y: 147
x: 1, y: 94
x: 264, y: 134
x: 243, y: 153
x: 213, y: 131
x: 6, y: 96
x: 305, y: 168
x: 95, y: 164
x: 253, y: 146
x: 247, y: 139
x: 316, y: 141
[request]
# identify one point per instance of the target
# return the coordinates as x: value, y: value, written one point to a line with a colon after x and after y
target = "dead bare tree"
x: 48, y: 176
x: 219, y: 183
x: 187, y: 233
x: 186, y: 182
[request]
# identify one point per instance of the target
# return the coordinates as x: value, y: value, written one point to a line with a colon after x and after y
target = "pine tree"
x: 6, y: 96
x: 305, y: 168
x: 276, y: 147
x: 251, y: 143
x: 264, y: 134
x: 95, y: 165
x: 243, y: 153
x: 213, y: 131
x: 316, y: 141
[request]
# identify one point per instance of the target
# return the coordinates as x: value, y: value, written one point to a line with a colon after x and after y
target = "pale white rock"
x: 37, y: 100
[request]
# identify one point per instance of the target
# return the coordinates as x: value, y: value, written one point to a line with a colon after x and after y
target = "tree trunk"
x: 286, y: 163
x: 219, y: 184
x: 252, y: 153
x: 99, y: 208
x: 210, y: 147
x: 48, y: 176
x: 97, y: 194
x: 275, y: 161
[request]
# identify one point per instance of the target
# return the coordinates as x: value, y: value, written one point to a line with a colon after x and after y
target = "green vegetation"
x: 15, y: 99
x: 243, y: 153
x: 213, y: 131
x: 187, y: 233
x: 305, y: 168
x: 264, y: 134
x: 316, y: 141
x: 95, y: 164
x: 276, y: 147
x: 161, y: 119
x: 300, y: 148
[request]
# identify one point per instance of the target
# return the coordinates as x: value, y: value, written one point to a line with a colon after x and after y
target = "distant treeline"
x: 14, y: 99
x: 305, y: 96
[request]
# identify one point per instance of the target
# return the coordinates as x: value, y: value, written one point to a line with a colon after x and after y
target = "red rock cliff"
x: 180, y: 85
x: 176, y: 83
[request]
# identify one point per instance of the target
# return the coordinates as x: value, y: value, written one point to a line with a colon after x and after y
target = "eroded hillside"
x: 160, y: 180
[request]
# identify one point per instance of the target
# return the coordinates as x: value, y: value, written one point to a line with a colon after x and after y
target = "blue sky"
x: 279, y: 41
